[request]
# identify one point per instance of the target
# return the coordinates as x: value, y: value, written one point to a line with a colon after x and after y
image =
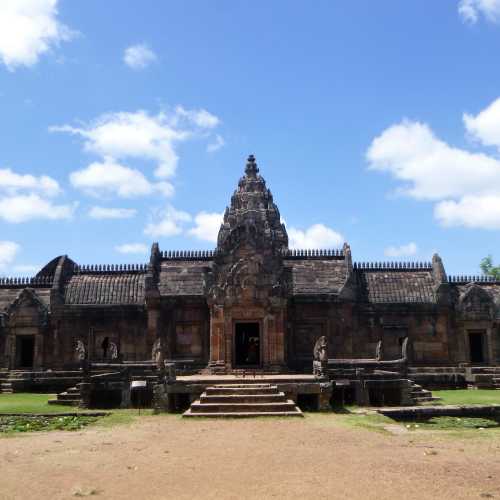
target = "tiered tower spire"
x: 252, y: 213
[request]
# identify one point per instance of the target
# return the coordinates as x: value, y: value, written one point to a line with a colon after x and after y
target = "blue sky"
x: 124, y: 123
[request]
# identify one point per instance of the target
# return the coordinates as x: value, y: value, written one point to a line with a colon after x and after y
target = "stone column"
x: 217, y: 337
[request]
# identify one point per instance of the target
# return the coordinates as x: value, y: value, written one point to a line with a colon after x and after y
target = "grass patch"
x: 25, y: 402
x: 31, y: 423
x: 370, y: 420
x: 468, y: 397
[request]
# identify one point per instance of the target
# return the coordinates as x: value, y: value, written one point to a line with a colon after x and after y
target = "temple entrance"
x: 247, y: 344
x: 476, y: 347
x: 25, y: 350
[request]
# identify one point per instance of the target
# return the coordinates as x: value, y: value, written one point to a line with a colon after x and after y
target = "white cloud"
x: 12, y: 183
x: 169, y: 222
x: 465, y: 185
x: 139, y: 56
x: 143, y: 136
x: 23, y: 208
x: 430, y: 168
x: 218, y: 143
x: 200, y: 117
x: 207, y: 226
x: 28, y: 29
x: 485, y: 126
x: 112, y: 178
x: 470, y: 211
x: 315, y: 237
x: 139, y: 248
x: 471, y: 10
x: 401, y: 251
x: 111, y: 213
x: 8, y: 252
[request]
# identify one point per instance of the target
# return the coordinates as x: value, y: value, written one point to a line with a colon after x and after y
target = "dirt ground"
x: 316, y: 457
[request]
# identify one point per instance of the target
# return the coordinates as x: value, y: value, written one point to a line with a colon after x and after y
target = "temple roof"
x: 103, y: 288
x: 397, y: 286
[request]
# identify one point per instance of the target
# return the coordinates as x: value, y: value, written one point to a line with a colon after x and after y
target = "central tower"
x: 248, y: 286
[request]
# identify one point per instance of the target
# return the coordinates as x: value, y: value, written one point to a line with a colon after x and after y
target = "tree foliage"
x: 489, y: 269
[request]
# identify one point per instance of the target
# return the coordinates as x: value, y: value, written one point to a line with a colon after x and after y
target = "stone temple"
x: 251, y: 304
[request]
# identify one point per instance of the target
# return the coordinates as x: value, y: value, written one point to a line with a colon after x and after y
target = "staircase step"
x: 279, y: 397
x: 198, y: 407
x: 228, y: 390
x: 243, y: 414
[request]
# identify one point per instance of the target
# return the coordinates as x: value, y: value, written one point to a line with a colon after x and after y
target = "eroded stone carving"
x: 80, y: 350
x: 157, y: 354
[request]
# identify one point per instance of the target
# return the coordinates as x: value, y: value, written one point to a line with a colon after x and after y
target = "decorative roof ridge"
x: 25, y: 281
x: 323, y: 253
x: 188, y: 254
x: 393, y: 266
x: 463, y: 280
x: 111, y: 269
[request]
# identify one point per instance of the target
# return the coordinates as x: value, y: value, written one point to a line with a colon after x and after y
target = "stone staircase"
x: 5, y: 384
x: 70, y: 397
x: 421, y: 395
x: 486, y: 377
x: 243, y: 400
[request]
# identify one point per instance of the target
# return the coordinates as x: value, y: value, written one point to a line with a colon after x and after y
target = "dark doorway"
x: 476, y: 346
x: 26, y: 351
x: 247, y: 344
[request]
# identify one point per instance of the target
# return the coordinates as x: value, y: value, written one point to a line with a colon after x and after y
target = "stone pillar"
x: 217, y: 337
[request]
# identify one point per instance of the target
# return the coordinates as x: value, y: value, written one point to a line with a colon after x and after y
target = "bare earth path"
x: 166, y: 457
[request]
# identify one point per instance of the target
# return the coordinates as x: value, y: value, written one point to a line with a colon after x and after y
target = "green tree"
x: 489, y: 269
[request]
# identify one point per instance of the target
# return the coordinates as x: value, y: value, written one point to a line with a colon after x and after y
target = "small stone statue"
x: 157, y: 354
x: 113, y: 350
x: 320, y: 357
x: 320, y: 352
x: 80, y: 350
x: 404, y: 349
x: 379, y: 353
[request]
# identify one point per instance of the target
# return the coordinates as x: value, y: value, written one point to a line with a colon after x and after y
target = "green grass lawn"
x: 24, y: 402
x: 466, y: 397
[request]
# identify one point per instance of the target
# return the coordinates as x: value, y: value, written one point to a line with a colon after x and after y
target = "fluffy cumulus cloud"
x: 464, y: 184
x: 25, y: 197
x: 98, y: 212
x: 143, y: 136
x: 471, y: 10
x: 28, y: 29
x: 207, y: 226
x: 401, y: 251
x: 168, y: 222
x: 316, y: 236
x: 23, y: 208
x: 12, y: 182
x: 481, y: 212
x: 139, y: 56
x: 485, y: 126
x: 132, y: 248
x: 8, y: 252
x: 109, y: 178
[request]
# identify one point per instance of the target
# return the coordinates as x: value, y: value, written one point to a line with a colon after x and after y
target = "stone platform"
x: 253, y: 393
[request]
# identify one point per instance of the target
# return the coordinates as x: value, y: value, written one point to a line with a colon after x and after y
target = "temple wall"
x: 126, y: 327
